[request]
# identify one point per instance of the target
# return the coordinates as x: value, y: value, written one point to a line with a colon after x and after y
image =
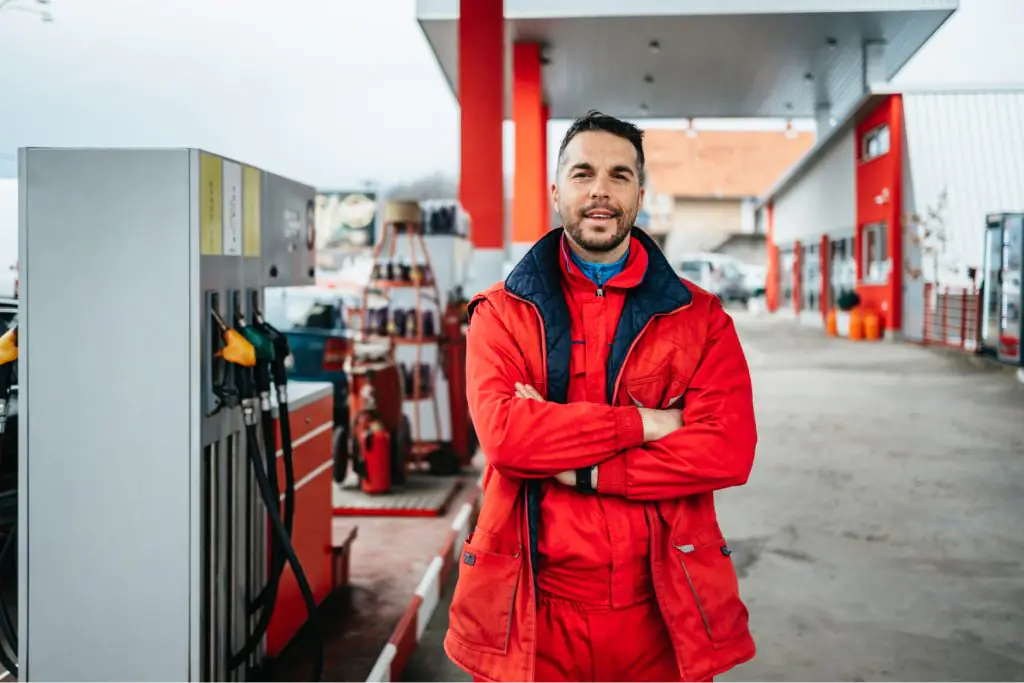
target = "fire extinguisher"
x: 372, y: 452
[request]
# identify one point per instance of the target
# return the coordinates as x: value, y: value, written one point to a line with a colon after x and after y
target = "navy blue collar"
x: 537, y: 279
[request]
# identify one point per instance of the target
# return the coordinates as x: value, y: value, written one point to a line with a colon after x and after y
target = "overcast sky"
x: 327, y: 91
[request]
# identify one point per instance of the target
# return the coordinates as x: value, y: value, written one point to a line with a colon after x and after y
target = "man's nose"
x: 599, y: 189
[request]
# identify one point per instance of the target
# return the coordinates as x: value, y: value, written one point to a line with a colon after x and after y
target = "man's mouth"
x: 600, y: 214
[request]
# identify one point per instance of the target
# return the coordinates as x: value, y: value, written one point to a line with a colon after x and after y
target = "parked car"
x: 721, y: 275
x: 755, y: 278
x: 315, y: 320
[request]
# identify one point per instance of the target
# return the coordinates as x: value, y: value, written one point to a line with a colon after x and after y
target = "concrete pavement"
x: 881, y: 534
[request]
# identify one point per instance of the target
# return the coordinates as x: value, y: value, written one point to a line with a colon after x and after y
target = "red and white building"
x: 892, y: 200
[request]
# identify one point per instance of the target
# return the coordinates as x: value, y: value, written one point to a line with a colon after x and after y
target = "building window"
x: 841, y: 268
x: 810, y: 278
x: 785, y: 275
x: 876, y: 143
x: 875, y: 260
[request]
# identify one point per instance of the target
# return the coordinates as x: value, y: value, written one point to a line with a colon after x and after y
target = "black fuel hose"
x: 265, y: 601
x: 284, y: 420
x: 7, y: 630
x: 281, y: 382
x: 269, y: 591
x: 282, y: 535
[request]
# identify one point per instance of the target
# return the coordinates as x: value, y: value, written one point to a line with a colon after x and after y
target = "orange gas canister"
x: 831, y: 327
x: 856, y: 324
x: 872, y: 325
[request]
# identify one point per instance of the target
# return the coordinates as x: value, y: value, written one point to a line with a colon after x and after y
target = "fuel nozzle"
x: 236, y: 350
x: 281, y: 350
x: 8, y: 363
x: 240, y: 355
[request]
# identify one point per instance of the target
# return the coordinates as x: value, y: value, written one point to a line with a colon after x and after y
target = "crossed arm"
x: 640, y: 454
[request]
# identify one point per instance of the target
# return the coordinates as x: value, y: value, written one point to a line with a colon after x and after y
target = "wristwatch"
x: 585, y: 479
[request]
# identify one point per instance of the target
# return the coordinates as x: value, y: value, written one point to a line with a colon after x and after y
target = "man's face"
x: 597, y: 191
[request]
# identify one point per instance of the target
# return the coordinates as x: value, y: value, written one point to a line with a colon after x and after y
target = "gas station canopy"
x: 702, y: 58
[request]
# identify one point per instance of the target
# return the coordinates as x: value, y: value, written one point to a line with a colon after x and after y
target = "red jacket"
x: 673, y: 339
x: 594, y: 549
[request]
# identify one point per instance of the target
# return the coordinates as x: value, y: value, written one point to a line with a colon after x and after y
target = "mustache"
x: 616, y: 213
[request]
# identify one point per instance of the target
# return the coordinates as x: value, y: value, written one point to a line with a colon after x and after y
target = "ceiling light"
x: 831, y: 42
x: 644, y: 109
x: 808, y: 76
x: 648, y: 78
x: 654, y: 46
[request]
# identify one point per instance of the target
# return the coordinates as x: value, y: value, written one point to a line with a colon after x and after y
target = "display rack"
x: 401, y: 263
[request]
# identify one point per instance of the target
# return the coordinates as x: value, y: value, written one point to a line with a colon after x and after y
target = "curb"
x: 404, y: 639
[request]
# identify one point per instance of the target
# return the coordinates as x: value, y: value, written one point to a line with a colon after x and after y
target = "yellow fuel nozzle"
x: 9, y: 346
x: 237, y: 349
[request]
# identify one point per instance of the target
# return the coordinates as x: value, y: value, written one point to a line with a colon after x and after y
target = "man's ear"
x: 554, y: 196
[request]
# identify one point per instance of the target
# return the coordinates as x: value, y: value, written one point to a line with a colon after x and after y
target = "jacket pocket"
x: 711, y: 579
x: 485, y: 593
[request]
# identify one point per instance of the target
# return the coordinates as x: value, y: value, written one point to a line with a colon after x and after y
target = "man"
x: 611, y: 399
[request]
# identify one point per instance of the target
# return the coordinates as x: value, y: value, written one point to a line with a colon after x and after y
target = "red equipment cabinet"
x: 453, y: 326
x: 311, y: 412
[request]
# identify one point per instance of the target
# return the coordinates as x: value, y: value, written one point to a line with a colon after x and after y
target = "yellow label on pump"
x: 251, y: 211
x: 211, y: 200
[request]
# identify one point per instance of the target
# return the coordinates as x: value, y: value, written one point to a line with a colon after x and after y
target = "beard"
x: 600, y: 243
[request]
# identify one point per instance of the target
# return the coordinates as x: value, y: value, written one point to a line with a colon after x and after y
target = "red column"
x: 824, y: 268
x: 798, y: 285
x: 895, y: 219
x: 546, y: 118
x: 482, y: 101
x: 529, y: 218
x: 771, y: 286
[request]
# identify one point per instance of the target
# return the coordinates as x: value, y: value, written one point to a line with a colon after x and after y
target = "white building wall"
x: 971, y: 146
x: 822, y: 201
x: 979, y: 45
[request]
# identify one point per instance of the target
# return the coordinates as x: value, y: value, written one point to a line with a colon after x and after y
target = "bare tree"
x: 30, y: 8
x: 436, y: 186
x: 928, y: 231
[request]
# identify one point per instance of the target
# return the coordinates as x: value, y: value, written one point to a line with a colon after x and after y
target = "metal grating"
x: 423, y: 494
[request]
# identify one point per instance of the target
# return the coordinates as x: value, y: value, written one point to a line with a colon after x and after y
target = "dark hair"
x: 596, y: 121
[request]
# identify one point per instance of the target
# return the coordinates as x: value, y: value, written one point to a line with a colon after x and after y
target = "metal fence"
x: 952, y: 316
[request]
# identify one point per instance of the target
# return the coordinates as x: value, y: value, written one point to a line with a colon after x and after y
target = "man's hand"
x: 526, y: 391
x: 660, y: 423
x: 569, y: 478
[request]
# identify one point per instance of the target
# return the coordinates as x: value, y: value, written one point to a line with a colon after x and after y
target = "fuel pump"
x: 8, y: 368
x: 243, y: 352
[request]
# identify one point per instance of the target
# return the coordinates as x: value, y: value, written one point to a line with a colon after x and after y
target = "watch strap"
x: 584, y: 479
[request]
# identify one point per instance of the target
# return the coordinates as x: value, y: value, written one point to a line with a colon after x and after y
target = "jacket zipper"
x: 684, y: 549
x: 512, y: 605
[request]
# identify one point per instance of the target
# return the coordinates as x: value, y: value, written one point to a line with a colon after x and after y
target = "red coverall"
x: 559, y: 585
x: 597, y: 618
